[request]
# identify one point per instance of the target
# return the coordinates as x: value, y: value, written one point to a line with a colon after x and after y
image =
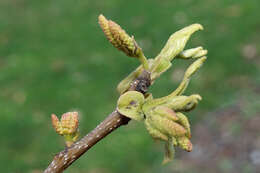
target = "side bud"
x: 69, y: 122
x: 67, y: 126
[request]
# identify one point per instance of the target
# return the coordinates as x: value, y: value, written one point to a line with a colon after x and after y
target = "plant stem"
x: 144, y: 61
x: 65, y: 158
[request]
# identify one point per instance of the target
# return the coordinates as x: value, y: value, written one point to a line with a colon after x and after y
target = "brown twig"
x: 65, y: 158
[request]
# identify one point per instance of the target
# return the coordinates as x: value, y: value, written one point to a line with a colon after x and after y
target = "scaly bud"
x: 121, y: 40
x: 69, y: 122
x: 118, y: 37
x: 67, y: 127
x: 103, y: 22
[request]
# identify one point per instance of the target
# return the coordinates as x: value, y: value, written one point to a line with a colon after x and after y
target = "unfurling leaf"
x: 130, y: 105
x: 192, y: 53
x: 183, y: 103
x: 172, y: 48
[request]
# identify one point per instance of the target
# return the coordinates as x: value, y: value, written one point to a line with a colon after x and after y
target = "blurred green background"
x: 54, y: 58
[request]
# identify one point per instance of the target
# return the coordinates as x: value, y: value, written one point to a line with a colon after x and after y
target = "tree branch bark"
x: 65, y: 158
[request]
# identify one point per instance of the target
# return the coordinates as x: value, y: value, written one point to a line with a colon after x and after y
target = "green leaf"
x: 130, y: 105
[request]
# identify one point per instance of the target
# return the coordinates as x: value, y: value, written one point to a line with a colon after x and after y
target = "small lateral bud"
x: 68, y: 124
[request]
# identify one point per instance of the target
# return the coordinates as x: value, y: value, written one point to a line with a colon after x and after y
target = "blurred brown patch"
x: 249, y: 51
x: 227, y: 140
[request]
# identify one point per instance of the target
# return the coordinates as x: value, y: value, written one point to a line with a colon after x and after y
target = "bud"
x: 165, y: 125
x: 173, y: 128
x: 119, y: 38
x: 183, y: 120
x: 167, y: 112
x: 172, y: 48
x: 177, y: 41
x: 183, y: 103
x: 68, y: 124
x: 192, y: 53
x: 185, y: 143
x: 154, y: 132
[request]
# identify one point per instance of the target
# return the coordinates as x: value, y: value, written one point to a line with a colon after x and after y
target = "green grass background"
x: 54, y: 58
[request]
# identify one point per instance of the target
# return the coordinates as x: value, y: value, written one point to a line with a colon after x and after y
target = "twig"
x: 65, y: 158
